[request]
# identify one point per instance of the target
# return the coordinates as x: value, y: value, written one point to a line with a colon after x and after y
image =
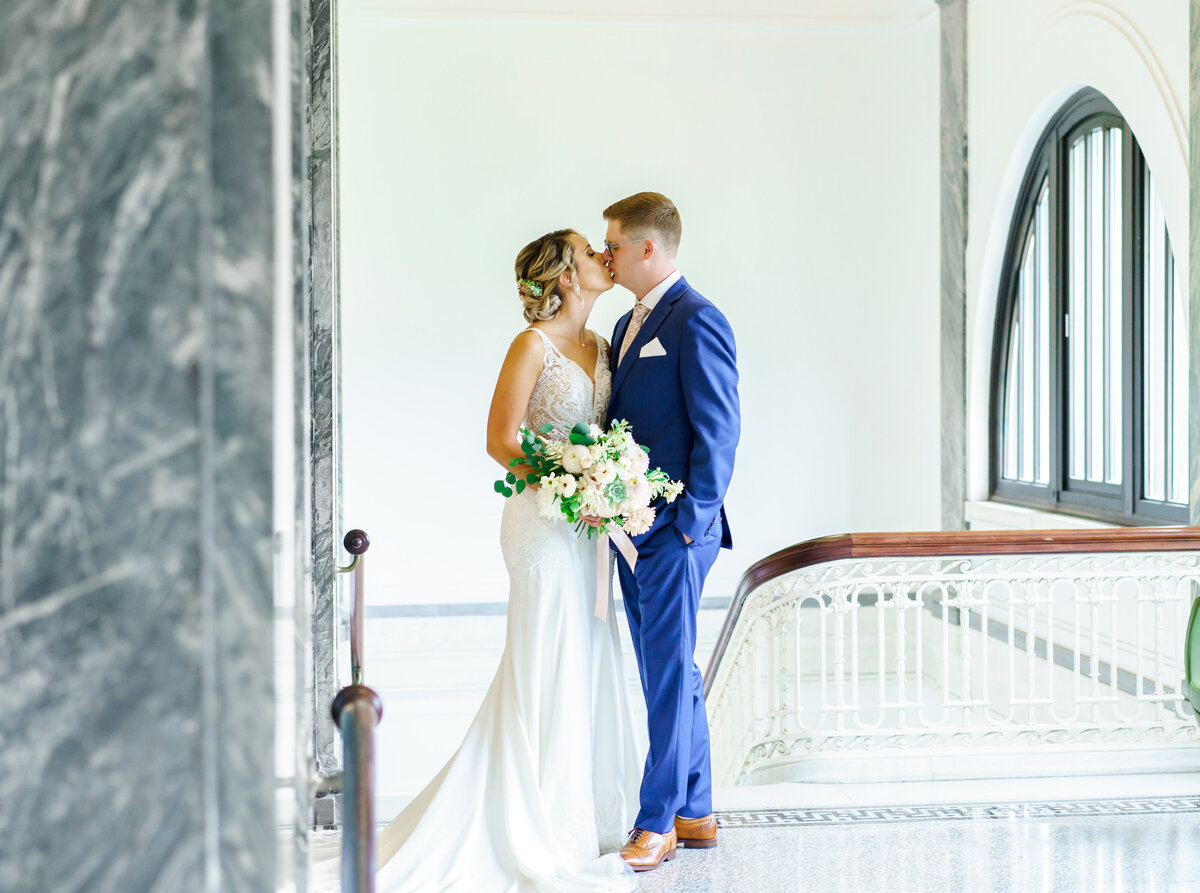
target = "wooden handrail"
x: 945, y: 543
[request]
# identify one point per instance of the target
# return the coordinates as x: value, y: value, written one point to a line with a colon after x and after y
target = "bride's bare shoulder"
x: 527, y: 341
x: 526, y: 349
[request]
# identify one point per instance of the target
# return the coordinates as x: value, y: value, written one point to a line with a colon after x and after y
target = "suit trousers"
x: 662, y: 599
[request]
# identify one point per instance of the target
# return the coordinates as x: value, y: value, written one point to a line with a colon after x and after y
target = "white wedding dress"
x: 548, y: 774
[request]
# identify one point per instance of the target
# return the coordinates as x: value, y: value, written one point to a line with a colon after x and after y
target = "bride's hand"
x: 592, y: 521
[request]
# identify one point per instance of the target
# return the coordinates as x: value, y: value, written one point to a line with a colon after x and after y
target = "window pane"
x: 1094, y: 306
x: 1179, y: 408
x: 1009, y: 422
x: 1043, y: 342
x: 1029, y: 317
x: 1077, y: 314
x: 1153, y: 323
x: 1165, y: 356
x: 1025, y: 426
x: 1113, y: 309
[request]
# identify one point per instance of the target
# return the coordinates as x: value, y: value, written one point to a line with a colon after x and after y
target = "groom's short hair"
x: 646, y: 214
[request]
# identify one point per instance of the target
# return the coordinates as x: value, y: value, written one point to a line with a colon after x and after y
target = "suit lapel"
x: 652, y: 324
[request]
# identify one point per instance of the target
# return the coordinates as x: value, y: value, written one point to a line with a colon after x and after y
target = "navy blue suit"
x: 683, y: 406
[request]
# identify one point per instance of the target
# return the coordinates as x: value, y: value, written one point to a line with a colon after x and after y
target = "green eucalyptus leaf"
x: 520, y: 486
x: 507, y: 492
x: 510, y: 478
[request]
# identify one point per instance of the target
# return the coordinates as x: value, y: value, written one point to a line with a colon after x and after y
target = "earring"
x: 578, y: 293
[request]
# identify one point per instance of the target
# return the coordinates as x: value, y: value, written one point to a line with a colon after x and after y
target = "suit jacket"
x: 683, y: 405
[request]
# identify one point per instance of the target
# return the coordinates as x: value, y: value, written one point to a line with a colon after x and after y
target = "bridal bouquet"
x: 592, y: 472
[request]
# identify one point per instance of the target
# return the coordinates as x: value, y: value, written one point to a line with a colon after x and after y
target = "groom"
x: 675, y: 381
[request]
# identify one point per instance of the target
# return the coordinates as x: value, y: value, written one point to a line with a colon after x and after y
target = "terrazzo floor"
x: 992, y: 851
x: 1112, y: 834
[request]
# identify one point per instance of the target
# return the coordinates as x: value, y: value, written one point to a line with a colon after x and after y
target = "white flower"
x: 595, y: 431
x: 547, y: 504
x: 596, y: 451
x: 592, y: 500
x: 565, y: 486
x: 637, y: 492
x: 601, y: 473
x: 605, y: 509
x: 576, y: 458
x: 672, y: 490
x: 639, y: 460
x: 639, y: 521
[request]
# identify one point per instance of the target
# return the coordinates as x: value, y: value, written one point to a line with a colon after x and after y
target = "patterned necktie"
x: 640, y: 312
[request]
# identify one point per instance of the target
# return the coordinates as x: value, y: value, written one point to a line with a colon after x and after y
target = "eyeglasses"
x: 611, y: 247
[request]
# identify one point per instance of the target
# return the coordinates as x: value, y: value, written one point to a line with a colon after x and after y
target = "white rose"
x: 601, y: 473
x: 576, y: 458
x: 605, y: 509
x: 639, y: 460
x: 637, y: 490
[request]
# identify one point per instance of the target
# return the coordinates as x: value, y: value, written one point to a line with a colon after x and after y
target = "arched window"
x: 1089, y: 375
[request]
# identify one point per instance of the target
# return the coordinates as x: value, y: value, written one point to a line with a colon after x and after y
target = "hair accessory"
x: 529, y: 289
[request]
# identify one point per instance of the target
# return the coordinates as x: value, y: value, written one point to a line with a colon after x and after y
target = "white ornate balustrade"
x: 840, y: 652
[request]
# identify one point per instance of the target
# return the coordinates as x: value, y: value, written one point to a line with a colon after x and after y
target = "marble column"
x: 1194, y: 260
x: 137, y: 207
x: 300, y: 17
x: 953, y: 14
x: 326, y: 379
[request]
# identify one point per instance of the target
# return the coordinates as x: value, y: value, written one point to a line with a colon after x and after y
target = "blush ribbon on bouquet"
x: 628, y: 551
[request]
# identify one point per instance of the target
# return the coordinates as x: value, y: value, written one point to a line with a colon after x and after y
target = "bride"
x: 547, y: 776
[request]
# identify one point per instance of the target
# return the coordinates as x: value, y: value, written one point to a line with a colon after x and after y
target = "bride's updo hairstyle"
x: 539, y: 264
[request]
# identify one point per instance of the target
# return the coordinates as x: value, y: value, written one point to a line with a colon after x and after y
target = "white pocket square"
x: 653, y: 348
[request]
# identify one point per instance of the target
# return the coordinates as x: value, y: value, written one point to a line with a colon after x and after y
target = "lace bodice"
x: 563, y: 395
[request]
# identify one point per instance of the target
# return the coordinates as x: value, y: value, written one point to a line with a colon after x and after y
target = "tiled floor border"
x: 780, y: 818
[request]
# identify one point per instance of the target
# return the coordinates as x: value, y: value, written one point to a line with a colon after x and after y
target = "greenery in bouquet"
x: 591, y: 472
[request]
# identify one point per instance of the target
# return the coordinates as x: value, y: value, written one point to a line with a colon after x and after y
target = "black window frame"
x: 1123, y: 503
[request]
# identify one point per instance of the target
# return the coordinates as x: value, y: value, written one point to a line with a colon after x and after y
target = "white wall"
x: 804, y: 161
x: 1025, y: 58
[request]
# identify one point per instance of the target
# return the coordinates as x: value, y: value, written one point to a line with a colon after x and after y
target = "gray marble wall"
x: 1194, y: 258
x: 136, y: 714
x: 326, y: 464
x: 953, y: 15
x: 302, y: 654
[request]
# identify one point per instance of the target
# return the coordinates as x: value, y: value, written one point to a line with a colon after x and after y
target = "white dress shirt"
x: 652, y: 297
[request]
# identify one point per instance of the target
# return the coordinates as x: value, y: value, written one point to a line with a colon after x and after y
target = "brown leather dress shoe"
x: 696, y: 832
x: 645, y: 849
